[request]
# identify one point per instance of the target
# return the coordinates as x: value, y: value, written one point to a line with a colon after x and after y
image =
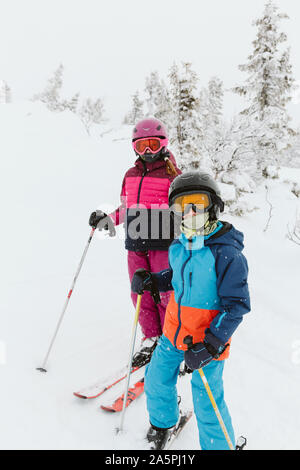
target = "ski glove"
x: 200, y: 354
x: 143, y: 280
x: 102, y: 221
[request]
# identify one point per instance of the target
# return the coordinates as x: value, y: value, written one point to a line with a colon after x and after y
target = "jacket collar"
x: 198, y: 242
x: 143, y: 166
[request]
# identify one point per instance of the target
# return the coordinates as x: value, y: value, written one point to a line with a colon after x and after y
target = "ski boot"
x: 158, y: 437
x: 143, y: 356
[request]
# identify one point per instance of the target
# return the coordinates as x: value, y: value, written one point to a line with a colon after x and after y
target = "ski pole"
x: 133, y: 337
x: 215, y: 406
x: 188, y: 340
x: 43, y: 367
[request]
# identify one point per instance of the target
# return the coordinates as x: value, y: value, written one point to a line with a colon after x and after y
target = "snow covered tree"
x: 91, y: 113
x: 152, y: 90
x: 215, y: 100
x: 234, y: 160
x: 292, y: 157
x: 211, y: 111
x: 2, y: 92
x: 51, y: 95
x: 185, y: 128
x: 8, y: 94
x: 72, y: 104
x: 5, y: 93
x: 268, y: 88
x: 158, y: 99
x: 137, y: 110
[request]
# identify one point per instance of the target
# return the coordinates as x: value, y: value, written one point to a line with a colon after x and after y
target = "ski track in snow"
x: 53, y: 176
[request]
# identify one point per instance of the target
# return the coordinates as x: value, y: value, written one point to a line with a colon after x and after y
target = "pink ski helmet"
x: 149, y: 128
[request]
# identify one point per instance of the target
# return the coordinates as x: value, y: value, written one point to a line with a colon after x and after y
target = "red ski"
x: 100, y: 387
x: 133, y: 393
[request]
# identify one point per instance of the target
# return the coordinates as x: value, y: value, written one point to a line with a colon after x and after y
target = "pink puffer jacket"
x: 145, y: 209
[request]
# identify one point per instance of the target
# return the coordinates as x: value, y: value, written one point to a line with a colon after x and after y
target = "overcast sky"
x: 109, y: 47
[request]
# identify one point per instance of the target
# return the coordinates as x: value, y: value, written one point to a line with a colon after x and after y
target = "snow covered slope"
x: 52, y: 176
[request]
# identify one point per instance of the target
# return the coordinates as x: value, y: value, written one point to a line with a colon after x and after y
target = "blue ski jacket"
x: 208, y: 276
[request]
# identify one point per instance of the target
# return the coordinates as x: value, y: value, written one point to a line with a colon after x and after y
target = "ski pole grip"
x: 188, y: 340
x: 156, y: 296
x: 154, y: 290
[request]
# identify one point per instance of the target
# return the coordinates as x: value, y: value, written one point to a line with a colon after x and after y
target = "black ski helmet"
x: 192, y: 182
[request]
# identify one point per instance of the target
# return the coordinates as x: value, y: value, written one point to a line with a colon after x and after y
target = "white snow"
x: 52, y: 176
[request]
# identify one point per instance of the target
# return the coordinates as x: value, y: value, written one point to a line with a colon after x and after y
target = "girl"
x: 147, y: 220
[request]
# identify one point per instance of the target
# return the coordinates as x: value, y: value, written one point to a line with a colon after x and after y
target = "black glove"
x: 100, y: 220
x: 197, y: 357
x: 143, y: 280
x: 200, y: 354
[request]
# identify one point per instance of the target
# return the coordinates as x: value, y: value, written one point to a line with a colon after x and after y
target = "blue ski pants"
x: 162, y: 401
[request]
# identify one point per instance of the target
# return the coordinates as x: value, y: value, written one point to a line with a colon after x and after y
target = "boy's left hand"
x: 197, y: 357
x: 200, y: 354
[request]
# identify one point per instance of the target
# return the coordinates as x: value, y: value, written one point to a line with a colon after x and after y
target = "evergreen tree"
x: 215, y: 100
x: 8, y: 93
x: 152, y: 90
x: 137, y: 110
x: 211, y: 111
x: 91, y: 113
x: 292, y: 158
x: 51, y: 94
x: 268, y: 88
x: 234, y: 160
x: 72, y: 104
x: 158, y: 99
x: 5, y: 93
x: 185, y: 127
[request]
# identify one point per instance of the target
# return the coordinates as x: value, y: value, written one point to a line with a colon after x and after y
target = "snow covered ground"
x: 52, y: 176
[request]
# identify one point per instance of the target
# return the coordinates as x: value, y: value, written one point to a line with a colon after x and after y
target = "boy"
x: 208, y: 276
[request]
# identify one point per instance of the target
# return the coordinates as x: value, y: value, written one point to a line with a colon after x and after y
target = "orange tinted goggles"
x: 199, y: 202
x: 154, y: 145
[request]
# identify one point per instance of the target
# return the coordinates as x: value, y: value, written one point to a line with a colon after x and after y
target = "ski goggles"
x: 199, y: 202
x: 153, y: 144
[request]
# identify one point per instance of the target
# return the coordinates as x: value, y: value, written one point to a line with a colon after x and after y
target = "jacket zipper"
x: 182, y: 292
x: 146, y: 170
x: 140, y: 187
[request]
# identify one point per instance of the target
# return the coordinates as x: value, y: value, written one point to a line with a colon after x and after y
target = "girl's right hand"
x: 98, y: 219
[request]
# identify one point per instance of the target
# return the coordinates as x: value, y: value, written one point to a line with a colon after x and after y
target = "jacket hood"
x: 227, y: 235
